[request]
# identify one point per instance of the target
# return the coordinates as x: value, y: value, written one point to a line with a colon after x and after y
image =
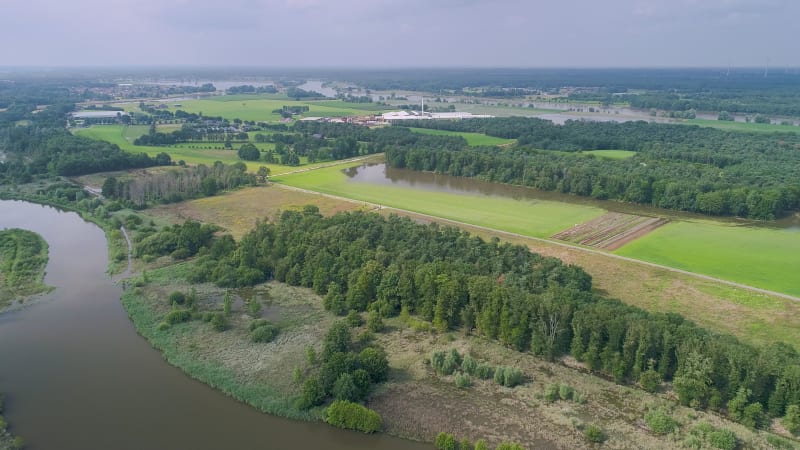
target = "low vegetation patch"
x: 345, y: 414
x: 23, y: 258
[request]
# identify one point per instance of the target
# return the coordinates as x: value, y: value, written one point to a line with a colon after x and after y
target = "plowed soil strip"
x: 610, y: 231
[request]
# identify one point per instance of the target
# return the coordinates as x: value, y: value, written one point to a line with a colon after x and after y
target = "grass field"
x: 531, y: 218
x: 473, y: 139
x: 611, y: 154
x: 261, y: 109
x: 124, y: 136
x: 760, y: 257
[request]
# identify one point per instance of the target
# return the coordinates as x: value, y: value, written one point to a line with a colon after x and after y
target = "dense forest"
x: 677, y: 167
x: 363, y: 261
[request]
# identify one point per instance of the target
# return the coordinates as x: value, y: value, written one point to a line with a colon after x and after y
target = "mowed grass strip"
x: 744, y: 126
x: 527, y: 217
x: 760, y: 257
x: 473, y: 139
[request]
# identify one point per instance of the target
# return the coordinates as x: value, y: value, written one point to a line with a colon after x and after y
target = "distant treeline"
x: 363, y: 261
x: 678, y: 167
x: 250, y: 89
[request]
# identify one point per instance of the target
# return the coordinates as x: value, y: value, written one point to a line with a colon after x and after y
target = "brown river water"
x: 77, y: 375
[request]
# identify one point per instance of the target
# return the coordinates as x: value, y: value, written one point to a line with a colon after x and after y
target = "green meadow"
x: 526, y: 217
x: 473, y: 139
x: 124, y: 136
x: 610, y: 154
x: 760, y: 257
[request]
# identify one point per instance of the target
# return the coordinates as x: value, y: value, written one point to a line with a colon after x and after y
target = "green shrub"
x: 722, y: 439
x: 344, y: 414
x: 254, y: 308
x: 354, y: 319
x: 375, y: 362
x: 792, y: 419
x: 218, y: 322
x: 445, y: 441
x: 162, y: 326
x: 660, y: 421
x: 508, y: 446
x: 551, y: 392
x: 462, y: 380
x: 484, y: 371
x: 650, y: 380
x: 345, y: 388
x: 264, y: 333
x: 3, y: 423
x: 469, y: 365
x: 178, y: 316
x: 566, y: 392
x: 480, y: 444
x: 258, y: 323
x: 753, y: 416
x: 508, y: 376
x: 464, y: 444
x: 594, y: 434
x: 313, y: 394
x: 176, y: 297
x: 374, y: 322
x: 18, y: 443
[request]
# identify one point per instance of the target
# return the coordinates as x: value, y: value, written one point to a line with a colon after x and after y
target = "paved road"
x: 552, y: 242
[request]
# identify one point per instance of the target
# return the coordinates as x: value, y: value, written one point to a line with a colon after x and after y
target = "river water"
x: 77, y: 375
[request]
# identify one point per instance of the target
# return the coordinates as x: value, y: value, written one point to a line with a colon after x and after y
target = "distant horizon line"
x: 773, y: 67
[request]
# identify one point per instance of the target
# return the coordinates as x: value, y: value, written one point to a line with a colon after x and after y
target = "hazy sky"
x: 525, y: 33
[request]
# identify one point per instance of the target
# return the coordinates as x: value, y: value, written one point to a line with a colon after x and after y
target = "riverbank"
x: 7, y: 440
x: 23, y: 258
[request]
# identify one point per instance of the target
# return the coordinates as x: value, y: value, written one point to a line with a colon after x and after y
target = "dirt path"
x: 129, y: 270
x: 548, y: 241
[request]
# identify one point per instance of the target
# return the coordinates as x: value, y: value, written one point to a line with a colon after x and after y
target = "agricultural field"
x: 610, y: 154
x: 761, y: 257
x: 610, y: 231
x: 473, y: 139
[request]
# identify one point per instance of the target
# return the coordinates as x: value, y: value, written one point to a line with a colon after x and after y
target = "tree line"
x: 178, y: 184
x: 456, y: 281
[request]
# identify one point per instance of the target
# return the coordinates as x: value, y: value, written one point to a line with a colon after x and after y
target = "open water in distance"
x: 77, y: 375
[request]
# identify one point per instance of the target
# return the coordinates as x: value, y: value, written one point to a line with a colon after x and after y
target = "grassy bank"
x: 23, y: 258
x: 528, y: 217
